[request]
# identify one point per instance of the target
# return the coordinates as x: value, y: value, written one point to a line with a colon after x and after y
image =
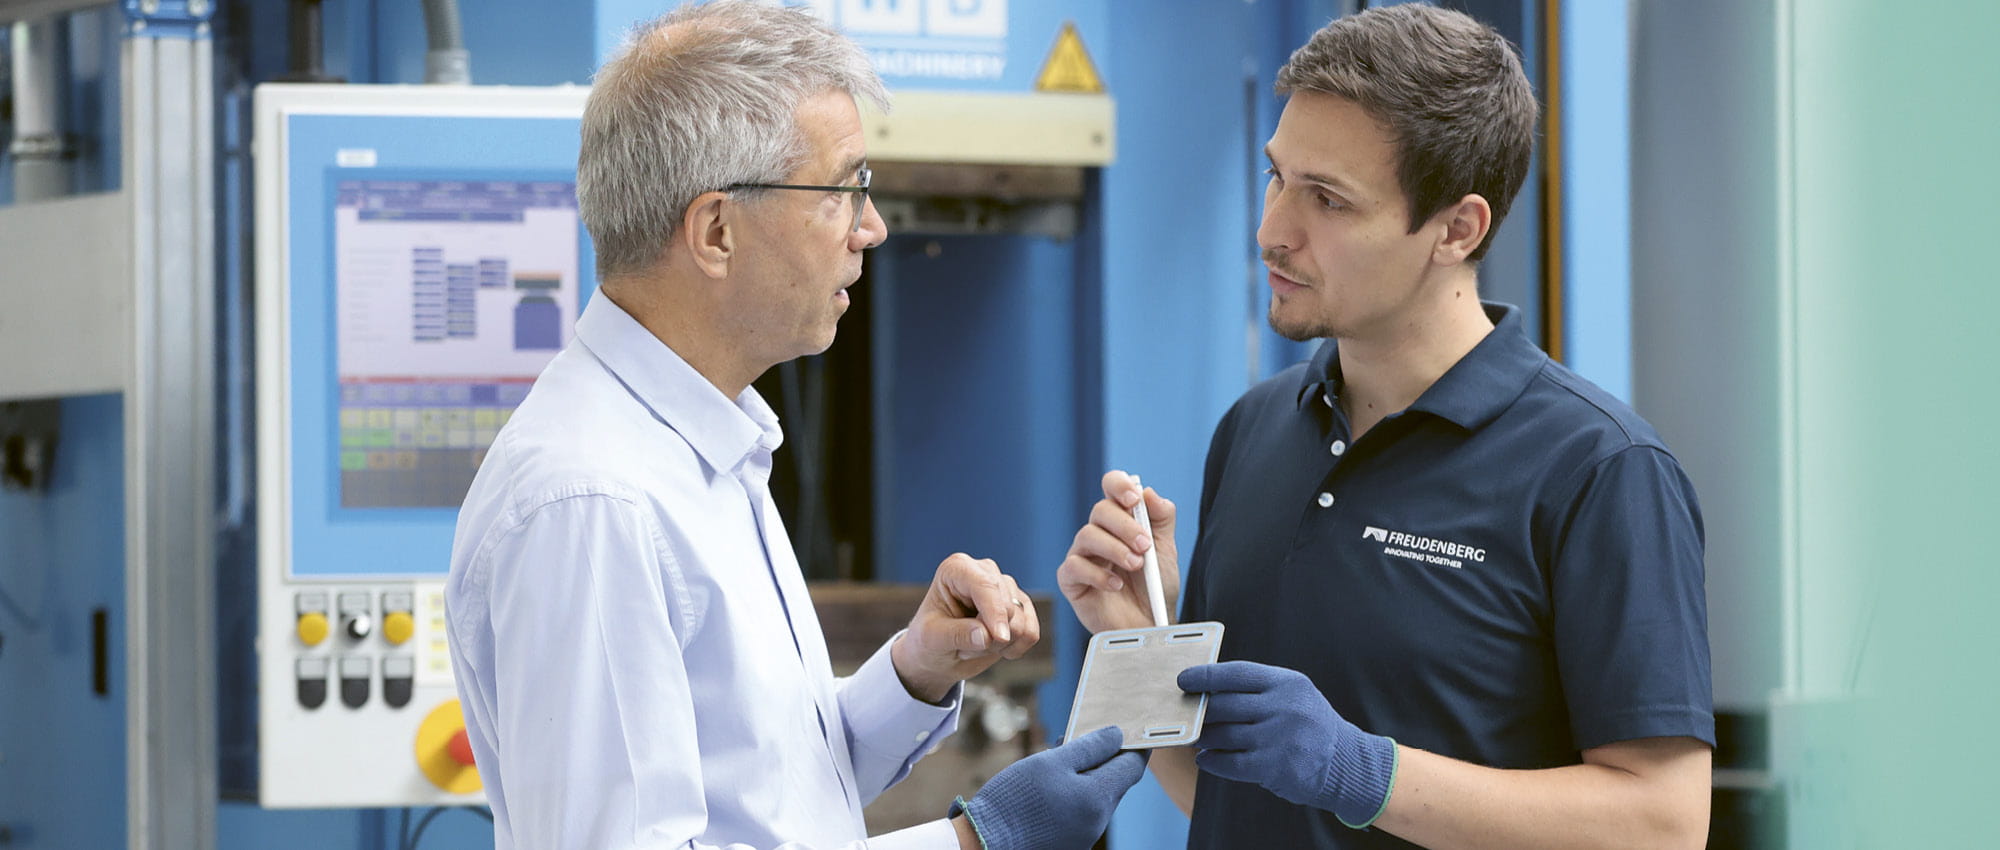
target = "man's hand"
x: 973, y: 616
x: 1271, y: 726
x: 1102, y: 576
x: 1055, y: 799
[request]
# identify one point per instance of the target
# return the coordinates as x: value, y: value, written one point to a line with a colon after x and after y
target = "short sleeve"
x: 1194, y: 598
x: 1630, y: 604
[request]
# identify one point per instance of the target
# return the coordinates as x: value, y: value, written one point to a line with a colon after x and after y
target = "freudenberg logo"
x: 1429, y: 550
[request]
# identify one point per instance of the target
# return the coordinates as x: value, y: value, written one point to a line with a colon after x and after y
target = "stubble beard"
x: 1305, y: 331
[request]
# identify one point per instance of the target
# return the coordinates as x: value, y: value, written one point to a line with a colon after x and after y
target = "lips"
x: 1281, y: 284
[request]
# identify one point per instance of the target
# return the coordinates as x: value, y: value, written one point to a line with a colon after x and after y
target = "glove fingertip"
x: 1130, y: 767
x: 1088, y: 751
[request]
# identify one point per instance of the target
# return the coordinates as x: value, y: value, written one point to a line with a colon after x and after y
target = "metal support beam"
x: 32, y: 10
x: 170, y: 440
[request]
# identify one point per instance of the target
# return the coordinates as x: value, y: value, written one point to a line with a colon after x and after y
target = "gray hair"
x: 695, y: 101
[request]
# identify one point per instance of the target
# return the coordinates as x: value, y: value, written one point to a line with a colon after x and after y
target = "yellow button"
x: 312, y: 628
x: 398, y: 627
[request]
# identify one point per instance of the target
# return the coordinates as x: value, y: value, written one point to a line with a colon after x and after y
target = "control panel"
x: 367, y: 680
x: 420, y: 260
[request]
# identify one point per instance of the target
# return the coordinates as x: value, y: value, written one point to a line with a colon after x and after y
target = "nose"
x: 1275, y: 232
x: 873, y: 231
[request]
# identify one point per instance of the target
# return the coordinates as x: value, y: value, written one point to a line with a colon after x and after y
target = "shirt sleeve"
x: 1630, y: 605
x: 887, y: 729
x: 1194, y: 596
x: 592, y: 712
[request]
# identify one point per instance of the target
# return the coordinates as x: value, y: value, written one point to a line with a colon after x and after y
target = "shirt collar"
x: 725, y: 433
x: 1469, y: 394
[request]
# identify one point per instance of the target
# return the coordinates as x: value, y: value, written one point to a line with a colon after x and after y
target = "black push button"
x: 396, y: 692
x: 312, y: 692
x: 353, y: 692
x: 354, y: 677
x: 398, y: 680
x: 312, y: 681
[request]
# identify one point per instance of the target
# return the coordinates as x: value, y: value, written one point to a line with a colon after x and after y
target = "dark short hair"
x: 1449, y: 88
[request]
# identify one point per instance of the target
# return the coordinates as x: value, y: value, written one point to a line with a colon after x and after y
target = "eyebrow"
x: 849, y: 168
x: 1330, y: 182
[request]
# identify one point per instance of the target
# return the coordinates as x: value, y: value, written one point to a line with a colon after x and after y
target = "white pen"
x: 1154, y: 592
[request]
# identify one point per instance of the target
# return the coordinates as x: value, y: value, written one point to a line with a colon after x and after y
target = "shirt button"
x: 921, y: 736
x: 1326, y: 500
x: 1328, y: 398
x: 1338, y: 448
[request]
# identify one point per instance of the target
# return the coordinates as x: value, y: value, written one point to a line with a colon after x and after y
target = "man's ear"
x: 1466, y: 224
x: 707, y: 234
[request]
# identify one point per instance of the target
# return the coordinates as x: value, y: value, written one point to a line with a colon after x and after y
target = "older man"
x: 1463, y: 586
x: 639, y: 661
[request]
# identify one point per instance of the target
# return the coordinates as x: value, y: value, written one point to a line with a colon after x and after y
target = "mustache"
x: 1277, y: 263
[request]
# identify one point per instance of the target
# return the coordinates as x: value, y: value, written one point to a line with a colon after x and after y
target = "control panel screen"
x: 450, y: 298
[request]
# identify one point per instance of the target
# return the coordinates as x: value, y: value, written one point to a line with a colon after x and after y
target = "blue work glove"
x: 1271, y: 726
x: 1056, y: 798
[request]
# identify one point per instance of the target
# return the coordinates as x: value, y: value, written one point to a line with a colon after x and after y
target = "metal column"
x: 170, y: 428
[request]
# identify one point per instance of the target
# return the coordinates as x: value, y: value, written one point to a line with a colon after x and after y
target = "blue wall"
x: 1597, y: 212
x: 62, y: 556
x: 1179, y: 247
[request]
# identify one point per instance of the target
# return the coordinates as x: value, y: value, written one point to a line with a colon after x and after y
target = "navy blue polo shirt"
x: 1508, y: 573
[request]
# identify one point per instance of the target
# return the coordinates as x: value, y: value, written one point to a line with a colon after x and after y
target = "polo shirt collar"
x: 1472, y: 392
x: 724, y: 432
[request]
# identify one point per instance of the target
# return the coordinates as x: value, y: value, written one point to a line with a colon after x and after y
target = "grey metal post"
x: 37, y: 147
x: 170, y: 439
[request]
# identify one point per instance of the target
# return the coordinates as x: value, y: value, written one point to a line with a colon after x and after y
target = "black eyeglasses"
x: 858, y: 193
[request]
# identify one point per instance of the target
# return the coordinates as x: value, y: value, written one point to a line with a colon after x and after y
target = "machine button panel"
x: 354, y: 675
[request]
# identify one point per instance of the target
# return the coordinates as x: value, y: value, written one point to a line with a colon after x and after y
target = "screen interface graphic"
x: 451, y: 296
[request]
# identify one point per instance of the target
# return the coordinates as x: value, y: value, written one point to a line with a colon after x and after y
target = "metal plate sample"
x: 1128, y: 682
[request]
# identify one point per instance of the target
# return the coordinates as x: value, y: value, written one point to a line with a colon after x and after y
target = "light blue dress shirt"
x: 637, y: 657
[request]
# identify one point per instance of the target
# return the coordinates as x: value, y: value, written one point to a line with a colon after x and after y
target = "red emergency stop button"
x: 460, y: 748
x: 443, y: 751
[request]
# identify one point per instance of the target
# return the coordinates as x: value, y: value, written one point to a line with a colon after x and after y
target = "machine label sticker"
x: 928, y: 39
x: 1429, y: 550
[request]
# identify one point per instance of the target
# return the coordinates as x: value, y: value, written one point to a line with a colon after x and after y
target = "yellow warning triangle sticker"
x: 1068, y: 67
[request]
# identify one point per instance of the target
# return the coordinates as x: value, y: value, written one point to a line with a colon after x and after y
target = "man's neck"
x: 689, y: 329
x: 1385, y: 372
